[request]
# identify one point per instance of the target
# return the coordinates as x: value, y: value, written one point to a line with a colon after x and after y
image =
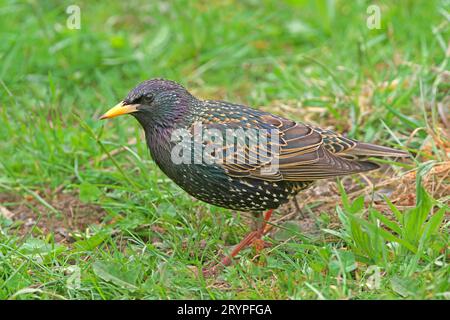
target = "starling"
x: 272, y: 160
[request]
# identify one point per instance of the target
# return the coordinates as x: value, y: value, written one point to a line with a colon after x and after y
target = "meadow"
x: 86, y: 214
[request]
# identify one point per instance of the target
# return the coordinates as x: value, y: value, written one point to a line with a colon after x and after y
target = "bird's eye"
x: 147, y: 98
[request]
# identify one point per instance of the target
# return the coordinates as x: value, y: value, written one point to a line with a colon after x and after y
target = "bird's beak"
x: 119, y: 110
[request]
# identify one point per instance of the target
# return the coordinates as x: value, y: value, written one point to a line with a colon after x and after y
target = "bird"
x: 289, y: 156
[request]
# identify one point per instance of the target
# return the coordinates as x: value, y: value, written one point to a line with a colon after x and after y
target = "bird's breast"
x: 210, y: 182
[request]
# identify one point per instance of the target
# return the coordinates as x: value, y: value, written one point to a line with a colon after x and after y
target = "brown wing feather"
x: 352, y: 149
x: 304, y: 153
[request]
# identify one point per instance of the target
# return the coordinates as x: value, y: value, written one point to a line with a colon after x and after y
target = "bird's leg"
x: 261, y: 230
x: 252, y: 237
x: 297, y: 207
x: 241, y: 245
x: 227, y: 260
x: 266, y: 226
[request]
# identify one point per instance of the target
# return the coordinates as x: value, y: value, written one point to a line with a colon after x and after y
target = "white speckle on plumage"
x: 246, y: 183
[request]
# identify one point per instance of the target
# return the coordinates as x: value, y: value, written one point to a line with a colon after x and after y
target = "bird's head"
x: 155, y: 101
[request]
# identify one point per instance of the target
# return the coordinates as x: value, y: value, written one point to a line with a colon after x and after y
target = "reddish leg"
x: 258, y: 242
x: 266, y: 227
x: 252, y: 237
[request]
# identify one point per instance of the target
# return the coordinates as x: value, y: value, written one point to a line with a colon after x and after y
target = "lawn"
x: 86, y: 214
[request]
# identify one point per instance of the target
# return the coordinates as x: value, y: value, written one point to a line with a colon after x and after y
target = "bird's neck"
x: 160, y: 127
x: 160, y: 145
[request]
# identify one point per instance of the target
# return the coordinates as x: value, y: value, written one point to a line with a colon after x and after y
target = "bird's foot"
x: 260, y: 244
x: 212, y: 271
x: 228, y: 260
x: 253, y: 237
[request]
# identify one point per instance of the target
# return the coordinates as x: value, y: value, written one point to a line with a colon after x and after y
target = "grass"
x: 138, y: 236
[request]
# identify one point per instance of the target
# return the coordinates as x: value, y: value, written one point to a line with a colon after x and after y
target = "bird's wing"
x: 294, y: 151
x: 352, y: 149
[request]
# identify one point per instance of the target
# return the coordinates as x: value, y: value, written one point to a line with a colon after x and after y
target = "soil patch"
x: 63, y: 215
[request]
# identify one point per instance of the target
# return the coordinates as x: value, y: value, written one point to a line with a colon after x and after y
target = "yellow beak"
x: 119, y: 110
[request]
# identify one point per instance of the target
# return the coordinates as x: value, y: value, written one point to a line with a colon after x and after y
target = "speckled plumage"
x: 306, y: 153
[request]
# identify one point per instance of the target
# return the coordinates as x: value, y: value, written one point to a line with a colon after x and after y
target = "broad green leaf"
x: 404, y: 286
x: 92, y: 242
x: 390, y: 224
x: 111, y: 271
